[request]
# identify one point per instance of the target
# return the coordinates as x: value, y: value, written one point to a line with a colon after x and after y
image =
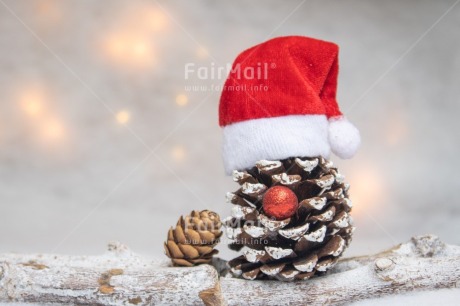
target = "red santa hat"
x: 279, y: 101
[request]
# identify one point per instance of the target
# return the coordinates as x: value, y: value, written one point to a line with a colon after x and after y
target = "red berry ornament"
x: 280, y: 202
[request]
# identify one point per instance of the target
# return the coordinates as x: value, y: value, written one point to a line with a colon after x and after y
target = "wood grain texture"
x: 121, y: 277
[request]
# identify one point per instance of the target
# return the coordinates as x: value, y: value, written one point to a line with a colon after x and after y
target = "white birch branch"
x: 123, y: 278
x: 424, y: 263
x: 116, y: 278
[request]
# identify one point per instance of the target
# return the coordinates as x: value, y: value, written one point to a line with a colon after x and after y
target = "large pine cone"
x: 306, y: 244
x: 193, y: 239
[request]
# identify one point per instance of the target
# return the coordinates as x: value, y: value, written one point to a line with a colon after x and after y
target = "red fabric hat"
x: 279, y: 101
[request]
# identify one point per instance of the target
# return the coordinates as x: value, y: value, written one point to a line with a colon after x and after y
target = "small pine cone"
x: 193, y: 239
x: 306, y: 244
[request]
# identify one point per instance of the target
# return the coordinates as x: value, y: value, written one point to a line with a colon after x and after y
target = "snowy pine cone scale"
x: 308, y: 243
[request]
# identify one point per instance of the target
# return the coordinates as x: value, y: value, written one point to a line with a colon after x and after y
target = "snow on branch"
x: 121, y: 277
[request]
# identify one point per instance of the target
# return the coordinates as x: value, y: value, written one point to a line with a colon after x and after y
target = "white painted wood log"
x: 116, y: 278
x: 424, y: 263
x: 123, y: 278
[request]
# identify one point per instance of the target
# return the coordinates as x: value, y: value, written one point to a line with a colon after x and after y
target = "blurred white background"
x: 101, y: 141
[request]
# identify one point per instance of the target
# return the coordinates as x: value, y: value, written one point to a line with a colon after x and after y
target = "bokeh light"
x: 202, y: 52
x: 33, y: 99
x: 129, y: 49
x: 123, y: 117
x: 130, y: 42
x: 179, y: 153
x: 153, y: 19
x: 49, y: 11
x: 367, y: 188
x: 53, y: 130
x: 181, y: 100
x: 36, y: 100
x: 32, y: 103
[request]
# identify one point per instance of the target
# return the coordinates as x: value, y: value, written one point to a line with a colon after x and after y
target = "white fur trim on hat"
x: 344, y: 137
x: 246, y: 142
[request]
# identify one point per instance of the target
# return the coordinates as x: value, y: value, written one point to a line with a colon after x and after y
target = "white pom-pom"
x: 344, y: 137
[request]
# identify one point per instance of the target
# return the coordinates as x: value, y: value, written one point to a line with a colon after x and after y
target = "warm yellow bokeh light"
x: 181, y: 100
x: 53, y: 130
x: 49, y: 10
x: 146, y: 18
x: 130, y: 42
x: 154, y: 19
x: 367, y: 187
x: 202, y: 53
x: 178, y: 153
x: 140, y: 49
x: 35, y: 101
x: 129, y: 49
x: 32, y: 102
x: 32, y: 107
x: 123, y: 117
